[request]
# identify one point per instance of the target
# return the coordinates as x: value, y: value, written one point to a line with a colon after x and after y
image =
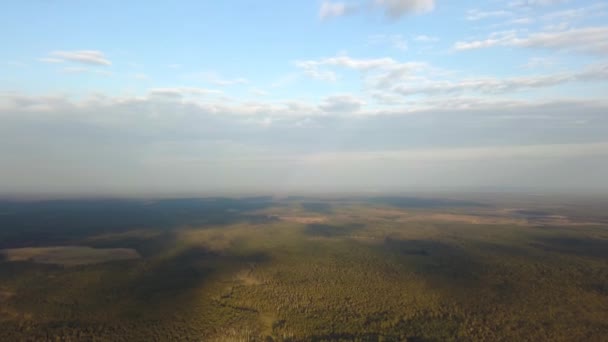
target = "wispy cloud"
x: 592, y: 40
x: 497, y: 85
x: 336, y: 9
x: 535, y: 3
x: 51, y: 60
x: 179, y: 92
x: 85, y: 70
x: 396, y: 41
x: 349, y: 62
x: 217, y: 79
x: 476, y: 14
x: 90, y: 57
x: 573, y: 14
x: 378, y: 72
x: 385, y: 77
x: 311, y: 69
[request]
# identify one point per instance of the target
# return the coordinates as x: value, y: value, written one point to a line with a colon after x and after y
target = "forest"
x: 350, y: 268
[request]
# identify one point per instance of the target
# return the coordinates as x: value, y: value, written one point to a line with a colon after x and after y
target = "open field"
x: 69, y: 255
x: 303, y: 269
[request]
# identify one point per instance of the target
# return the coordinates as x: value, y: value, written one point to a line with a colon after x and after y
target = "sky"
x: 204, y: 97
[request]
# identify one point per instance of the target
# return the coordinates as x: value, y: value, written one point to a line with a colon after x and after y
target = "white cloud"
x: 90, y: 57
x: 376, y: 72
x: 593, y: 40
x: 496, y: 85
x: 179, y: 92
x: 393, y: 9
x: 398, y: 8
x: 372, y: 67
x: 476, y: 14
x: 535, y: 3
x: 566, y: 18
x: 521, y: 21
x: 142, y: 143
x: 312, y: 70
x: 341, y: 104
x: 216, y: 79
x: 426, y: 39
x: 348, y: 62
x: 335, y: 9
x: 385, y: 77
x: 51, y: 60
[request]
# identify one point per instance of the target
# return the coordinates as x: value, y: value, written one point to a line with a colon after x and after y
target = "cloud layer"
x: 150, y: 144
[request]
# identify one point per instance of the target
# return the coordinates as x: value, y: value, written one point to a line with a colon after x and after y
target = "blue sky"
x: 139, y: 97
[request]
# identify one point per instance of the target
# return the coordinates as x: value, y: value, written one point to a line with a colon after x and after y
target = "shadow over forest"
x: 48, y: 223
x: 581, y: 246
x: 436, y: 259
x: 185, y: 271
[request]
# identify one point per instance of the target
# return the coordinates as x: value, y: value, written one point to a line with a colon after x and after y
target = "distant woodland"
x: 304, y: 269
